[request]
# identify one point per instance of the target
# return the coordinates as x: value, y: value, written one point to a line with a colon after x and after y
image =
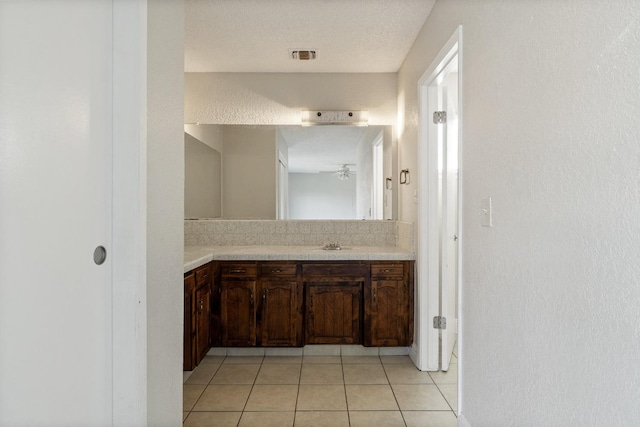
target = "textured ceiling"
x: 350, y: 36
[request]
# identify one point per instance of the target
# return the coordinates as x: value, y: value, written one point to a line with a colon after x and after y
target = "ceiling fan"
x: 343, y: 172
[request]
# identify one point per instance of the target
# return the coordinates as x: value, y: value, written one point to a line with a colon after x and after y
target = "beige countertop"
x: 195, y: 256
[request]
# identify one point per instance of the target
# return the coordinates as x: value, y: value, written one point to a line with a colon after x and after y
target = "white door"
x: 438, y: 251
x: 55, y: 210
x: 445, y: 94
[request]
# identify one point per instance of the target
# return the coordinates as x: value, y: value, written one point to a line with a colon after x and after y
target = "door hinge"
x: 439, y: 322
x: 439, y: 117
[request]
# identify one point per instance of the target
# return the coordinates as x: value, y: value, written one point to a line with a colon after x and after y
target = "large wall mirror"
x: 289, y: 172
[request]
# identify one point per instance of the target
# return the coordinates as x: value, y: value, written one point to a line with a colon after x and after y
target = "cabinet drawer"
x: 334, y: 271
x: 277, y: 270
x: 387, y: 270
x: 238, y: 270
x: 203, y: 275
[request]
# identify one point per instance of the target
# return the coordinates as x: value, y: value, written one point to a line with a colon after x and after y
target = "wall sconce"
x: 404, y: 176
x: 387, y: 183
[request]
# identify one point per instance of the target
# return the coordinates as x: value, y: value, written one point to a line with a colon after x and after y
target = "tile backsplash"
x: 297, y: 233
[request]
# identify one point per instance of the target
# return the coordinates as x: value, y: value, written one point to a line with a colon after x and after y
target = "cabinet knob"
x: 239, y: 270
x: 374, y: 295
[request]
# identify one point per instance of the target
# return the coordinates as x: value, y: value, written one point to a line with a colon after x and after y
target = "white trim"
x: 377, y: 197
x: 129, y: 212
x: 281, y: 160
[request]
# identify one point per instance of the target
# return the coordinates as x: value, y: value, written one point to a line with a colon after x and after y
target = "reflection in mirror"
x: 294, y: 172
x: 202, y: 180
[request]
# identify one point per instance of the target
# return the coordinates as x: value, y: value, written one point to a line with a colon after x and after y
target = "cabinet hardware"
x: 264, y: 296
x: 374, y: 295
x: 240, y: 270
x: 386, y: 270
x: 251, y: 302
x: 276, y: 271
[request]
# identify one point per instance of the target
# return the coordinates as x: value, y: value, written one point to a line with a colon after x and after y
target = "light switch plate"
x: 487, y: 214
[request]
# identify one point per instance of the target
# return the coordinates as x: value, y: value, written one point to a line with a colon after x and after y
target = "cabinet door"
x: 237, y: 312
x: 203, y: 321
x: 333, y: 312
x: 189, y: 344
x: 279, y: 313
x: 388, y: 313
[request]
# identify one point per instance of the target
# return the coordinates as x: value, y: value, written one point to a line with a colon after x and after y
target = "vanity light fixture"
x: 349, y: 118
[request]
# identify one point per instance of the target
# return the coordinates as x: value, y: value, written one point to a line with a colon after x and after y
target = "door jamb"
x: 428, y: 292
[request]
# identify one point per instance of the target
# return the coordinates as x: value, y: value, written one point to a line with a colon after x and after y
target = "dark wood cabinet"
x: 238, y: 292
x: 280, y: 310
x: 389, y: 305
x: 189, y: 337
x: 293, y: 303
x: 333, y: 312
x: 197, y: 316
x: 333, y: 309
x: 203, y: 321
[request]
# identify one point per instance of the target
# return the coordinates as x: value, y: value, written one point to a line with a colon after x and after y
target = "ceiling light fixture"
x: 344, y: 173
x: 302, y: 55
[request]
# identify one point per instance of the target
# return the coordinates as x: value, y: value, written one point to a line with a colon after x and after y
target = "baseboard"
x: 413, y: 353
x: 462, y: 421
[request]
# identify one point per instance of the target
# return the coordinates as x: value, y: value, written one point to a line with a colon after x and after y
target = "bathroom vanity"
x: 272, y: 295
x: 294, y: 303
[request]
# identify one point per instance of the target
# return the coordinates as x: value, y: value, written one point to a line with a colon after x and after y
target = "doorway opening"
x: 439, y: 231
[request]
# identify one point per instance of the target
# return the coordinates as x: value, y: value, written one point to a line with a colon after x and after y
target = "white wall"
x: 211, y: 135
x: 278, y: 98
x: 202, y: 180
x: 550, y: 294
x: 321, y: 196
x: 249, y: 172
x: 165, y: 197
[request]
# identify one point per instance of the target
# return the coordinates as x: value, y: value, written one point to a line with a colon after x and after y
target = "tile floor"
x: 318, y: 391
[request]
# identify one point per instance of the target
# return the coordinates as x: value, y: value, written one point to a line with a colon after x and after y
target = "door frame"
x: 426, y: 354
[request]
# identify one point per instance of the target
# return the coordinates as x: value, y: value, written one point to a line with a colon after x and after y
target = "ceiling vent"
x: 302, y: 55
x: 352, y: 118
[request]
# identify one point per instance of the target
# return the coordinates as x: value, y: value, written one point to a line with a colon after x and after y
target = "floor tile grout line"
x: 445, y: 399
x: 251, y: 391
x: 201, y: 393
x: 344, y: 385
x: 394, y: 393
x: 295, y: 407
